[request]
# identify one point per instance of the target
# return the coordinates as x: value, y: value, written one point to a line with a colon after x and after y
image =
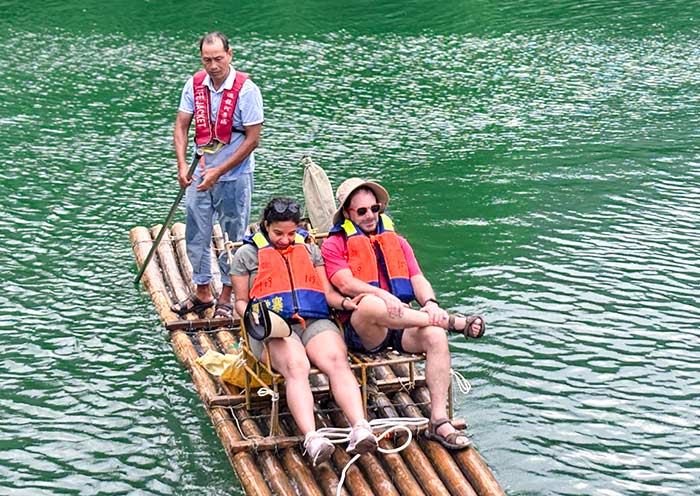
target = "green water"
x: 543, y: 158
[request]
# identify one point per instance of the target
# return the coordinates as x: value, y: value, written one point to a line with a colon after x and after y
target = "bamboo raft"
x: 260, y: 437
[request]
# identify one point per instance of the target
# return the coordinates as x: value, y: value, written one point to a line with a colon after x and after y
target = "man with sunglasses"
x: 376, y: 269
x: 227, y: 110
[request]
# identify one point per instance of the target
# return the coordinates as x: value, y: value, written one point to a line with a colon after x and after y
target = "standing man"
x: 376, y: 269
x: 228, y: 114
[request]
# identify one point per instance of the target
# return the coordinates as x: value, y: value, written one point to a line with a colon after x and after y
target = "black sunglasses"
x: 282, y: 206
x: 363, y: 210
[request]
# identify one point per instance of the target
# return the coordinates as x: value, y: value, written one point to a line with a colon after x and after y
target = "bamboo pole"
x: 271, y: 466
x: 401, y: 474
x: 474, y: 467
x: 248, y: 474
x: 141, y: 243
x: 216, y: 282
x: 355, y: 483
x: 182, y: 268
x: 414, y: 456
x: 442, y: 460
x: 168, y: 265
x: 170, y: 270
x: 445, y: 465
x: 325, y: 473
x: 178, y: 239
x: 376, y: 475
x: 296, y: 466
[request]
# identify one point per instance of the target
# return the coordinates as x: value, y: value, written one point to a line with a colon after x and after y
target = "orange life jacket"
x: 368, y: 254
x: 287, y: 281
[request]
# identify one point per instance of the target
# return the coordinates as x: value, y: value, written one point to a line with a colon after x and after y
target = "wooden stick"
x: 206, y: 324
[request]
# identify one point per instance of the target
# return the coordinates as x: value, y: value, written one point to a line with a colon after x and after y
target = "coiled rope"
x: 337, y: 435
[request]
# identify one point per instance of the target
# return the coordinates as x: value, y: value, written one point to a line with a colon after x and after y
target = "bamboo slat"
x: 168, y: 264
x: 152, y: 277
x: 177, y: 232
x: 371, y: 466
x: 271, y: 466
x: 471, y: 463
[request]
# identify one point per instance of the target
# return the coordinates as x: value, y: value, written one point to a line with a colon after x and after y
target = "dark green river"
x: 542, y: 157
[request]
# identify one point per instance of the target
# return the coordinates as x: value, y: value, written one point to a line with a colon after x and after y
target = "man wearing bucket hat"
x: 283, y: 294
x: 366, y: 260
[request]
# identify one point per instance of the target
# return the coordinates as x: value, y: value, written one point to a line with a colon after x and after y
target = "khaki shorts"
x: 314, y: 327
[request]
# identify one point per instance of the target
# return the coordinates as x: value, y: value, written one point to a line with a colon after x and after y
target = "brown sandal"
x: 467, y: 328
x: 449, y: 441
x: 191, y: 304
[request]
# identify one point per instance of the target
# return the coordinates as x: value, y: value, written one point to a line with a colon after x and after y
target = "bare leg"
x: 371, y: 320
x: 204, y: 293
x: 225, y: 296
x: 327, y: 351
x: 289, y: 359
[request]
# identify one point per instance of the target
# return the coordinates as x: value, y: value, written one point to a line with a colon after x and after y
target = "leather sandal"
x: 467, y: 328
x: 223, y: 310
x: 449, y: 441
x: 191, y: 304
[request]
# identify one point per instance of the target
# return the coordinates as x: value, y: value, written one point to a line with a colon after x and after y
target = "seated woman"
x: 276, y: 267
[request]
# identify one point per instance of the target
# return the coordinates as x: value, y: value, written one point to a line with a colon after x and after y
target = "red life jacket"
x: 365, y: 262
x: 204, y: 132
x: 287, y: 280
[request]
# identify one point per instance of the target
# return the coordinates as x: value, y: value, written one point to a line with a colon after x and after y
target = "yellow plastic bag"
x: 229, y: 368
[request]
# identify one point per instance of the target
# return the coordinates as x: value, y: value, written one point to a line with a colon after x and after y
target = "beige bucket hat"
x: 262, y: 323
x: 350, y: 185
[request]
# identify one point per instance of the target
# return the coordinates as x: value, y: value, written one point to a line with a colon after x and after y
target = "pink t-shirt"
x: 335, y: 253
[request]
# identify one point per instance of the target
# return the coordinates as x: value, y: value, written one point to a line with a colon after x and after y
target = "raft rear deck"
x: 267, y: 465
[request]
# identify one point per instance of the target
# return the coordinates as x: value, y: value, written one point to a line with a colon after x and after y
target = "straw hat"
x: 262, y: 323
x: 350, y: 185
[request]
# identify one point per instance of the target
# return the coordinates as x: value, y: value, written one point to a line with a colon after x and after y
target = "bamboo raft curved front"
x: 274, y: 464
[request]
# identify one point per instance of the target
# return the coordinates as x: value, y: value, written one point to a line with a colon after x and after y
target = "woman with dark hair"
x: 278, y: 269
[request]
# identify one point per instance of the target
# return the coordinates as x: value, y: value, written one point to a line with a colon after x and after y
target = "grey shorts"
x: 314, y: 327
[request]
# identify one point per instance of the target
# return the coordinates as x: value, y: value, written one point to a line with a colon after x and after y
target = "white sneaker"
x: 318, y: 447
x: 362, y: 440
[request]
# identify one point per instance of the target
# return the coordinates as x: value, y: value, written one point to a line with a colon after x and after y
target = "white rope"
x: 263, y: 391
x: 337, y: 435
x: 460, y: 381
